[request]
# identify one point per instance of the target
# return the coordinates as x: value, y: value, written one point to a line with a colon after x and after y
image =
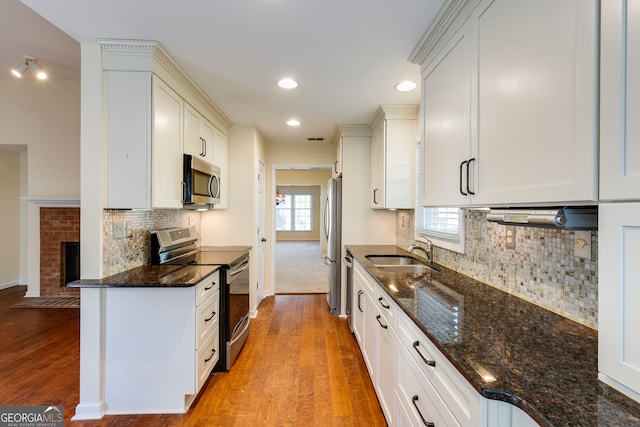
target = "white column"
x: 92, y: 301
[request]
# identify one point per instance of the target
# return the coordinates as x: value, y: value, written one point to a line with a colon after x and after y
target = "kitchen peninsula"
x: 161, y: 336
x: 507, y: 349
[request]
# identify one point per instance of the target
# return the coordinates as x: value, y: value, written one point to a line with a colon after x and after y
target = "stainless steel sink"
x: 392, y: 260
x: 415, y: 269
x: 400, y: 264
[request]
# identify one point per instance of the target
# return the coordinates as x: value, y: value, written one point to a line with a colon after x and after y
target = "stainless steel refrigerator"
x: 333, y: 233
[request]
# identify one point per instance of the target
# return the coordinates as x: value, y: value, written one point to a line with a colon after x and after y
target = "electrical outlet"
x: 510, y: 237
x: 582, y: 244
x: 119, y: 230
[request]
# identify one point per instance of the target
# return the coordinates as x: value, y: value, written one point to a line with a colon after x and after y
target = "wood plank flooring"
x: 300, y: 367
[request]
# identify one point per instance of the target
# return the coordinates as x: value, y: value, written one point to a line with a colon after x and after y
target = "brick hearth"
x: 57, y: 225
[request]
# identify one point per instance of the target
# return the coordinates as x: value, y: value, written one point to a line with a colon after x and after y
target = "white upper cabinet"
x: 151, y: 118
x: 393, y: 157
x: 446, y: 146
x: 144, y: 142
x: 166, y: 153
x: 620, y: 100
x: 198, y: 134
x: 523, y: 76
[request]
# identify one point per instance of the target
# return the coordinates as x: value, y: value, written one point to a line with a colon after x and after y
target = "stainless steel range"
x: 179, y: 246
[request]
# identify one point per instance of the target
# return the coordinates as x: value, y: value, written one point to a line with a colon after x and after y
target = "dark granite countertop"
x: 542, y: 362
x: 151, y: 276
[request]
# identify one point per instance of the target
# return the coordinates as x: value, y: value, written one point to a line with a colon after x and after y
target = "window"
x: 295, y: 213
x: 443, y: 226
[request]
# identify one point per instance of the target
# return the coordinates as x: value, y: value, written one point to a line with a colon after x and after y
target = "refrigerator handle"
x: 326, y: 218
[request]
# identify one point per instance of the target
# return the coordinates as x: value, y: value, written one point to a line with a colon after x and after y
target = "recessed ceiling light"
x: 293, y: 122
x: 406, y: 86
x: 288, y: 83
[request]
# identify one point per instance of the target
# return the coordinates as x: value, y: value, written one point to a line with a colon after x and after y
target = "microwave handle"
x: 184, y: 192
x: 217, y: 179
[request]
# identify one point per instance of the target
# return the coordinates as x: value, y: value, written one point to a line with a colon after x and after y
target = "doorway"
x: 300, y: 244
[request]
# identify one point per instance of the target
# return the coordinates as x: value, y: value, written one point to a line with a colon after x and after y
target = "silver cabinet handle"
x: 360, y: 292
x: 416, y: 344
x: 414, y: 399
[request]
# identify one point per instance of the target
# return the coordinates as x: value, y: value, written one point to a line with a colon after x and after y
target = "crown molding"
x: 445, y: 18
x: 151, y: 56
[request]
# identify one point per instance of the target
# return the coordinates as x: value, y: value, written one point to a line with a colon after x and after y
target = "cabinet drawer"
x: 418, y: 395
x: 207, y: 287
x: 208, y: 315
x: 206, y: 358
x: 455, y: 390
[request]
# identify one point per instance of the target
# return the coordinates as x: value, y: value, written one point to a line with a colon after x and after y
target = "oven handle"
x: 244, y: 324
x: 239, y: 268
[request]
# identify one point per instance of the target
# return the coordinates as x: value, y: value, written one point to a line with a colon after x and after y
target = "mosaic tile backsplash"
x: 124, y: 254
x: 541, y: 269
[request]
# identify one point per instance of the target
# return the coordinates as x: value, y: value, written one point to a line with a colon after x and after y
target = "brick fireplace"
x: 59, y: 228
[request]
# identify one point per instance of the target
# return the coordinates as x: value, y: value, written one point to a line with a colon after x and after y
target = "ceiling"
x: 346, y: 55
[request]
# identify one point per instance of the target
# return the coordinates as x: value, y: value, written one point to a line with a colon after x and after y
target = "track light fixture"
x: 29, y: 62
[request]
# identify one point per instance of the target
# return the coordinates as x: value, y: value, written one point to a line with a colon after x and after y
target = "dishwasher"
x: 348, y: 262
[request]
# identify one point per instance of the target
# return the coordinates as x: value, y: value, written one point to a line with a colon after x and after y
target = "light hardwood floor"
x: 300, y: 367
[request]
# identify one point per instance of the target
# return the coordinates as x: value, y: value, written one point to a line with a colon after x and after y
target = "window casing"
x: 295, y: 213
x: 444, y: 227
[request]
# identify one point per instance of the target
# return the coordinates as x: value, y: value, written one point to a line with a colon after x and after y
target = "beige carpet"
x: 300, y: 269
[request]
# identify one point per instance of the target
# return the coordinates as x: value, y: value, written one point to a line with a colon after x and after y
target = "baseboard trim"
x: 89, y: 411
x: 10, y: 284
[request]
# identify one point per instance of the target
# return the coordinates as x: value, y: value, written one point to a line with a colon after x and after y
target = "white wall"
x: 41, y: 118
x: 237, y: 224
x: 10, y: 214
x: 44, y: 116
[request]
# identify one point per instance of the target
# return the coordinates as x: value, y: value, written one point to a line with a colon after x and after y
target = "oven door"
x: 238, y: 284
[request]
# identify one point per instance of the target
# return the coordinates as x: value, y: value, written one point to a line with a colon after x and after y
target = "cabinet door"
x: 166, y: 150
x: 446, y: 96
x: 377, y: 166
x: 206, y: 137
x: 368, y: 346
x: 536, y: 110
x: 219, y: 158
x: 337, y: 166
x: 619, y: 296
x: 385, y: 378
x: 358, y: 310
x: 192, y: 142
x: 620, y: 100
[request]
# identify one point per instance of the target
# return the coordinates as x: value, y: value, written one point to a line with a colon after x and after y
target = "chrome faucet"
x: 427, y: 252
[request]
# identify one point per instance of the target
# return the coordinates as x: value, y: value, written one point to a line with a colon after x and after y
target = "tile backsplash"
x: 134, y: 251
x: 541, y: 269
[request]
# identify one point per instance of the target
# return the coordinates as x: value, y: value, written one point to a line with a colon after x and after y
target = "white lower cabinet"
x: 618, y: 296
x: 415, y: 383
x: 385, y: 359
x: 161, y: 345
x: 417, y: 393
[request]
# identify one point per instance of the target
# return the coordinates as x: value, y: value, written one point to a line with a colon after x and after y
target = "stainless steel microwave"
x: 201, y: 183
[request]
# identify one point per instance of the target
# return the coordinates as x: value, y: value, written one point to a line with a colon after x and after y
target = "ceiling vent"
x: 315, y: 139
